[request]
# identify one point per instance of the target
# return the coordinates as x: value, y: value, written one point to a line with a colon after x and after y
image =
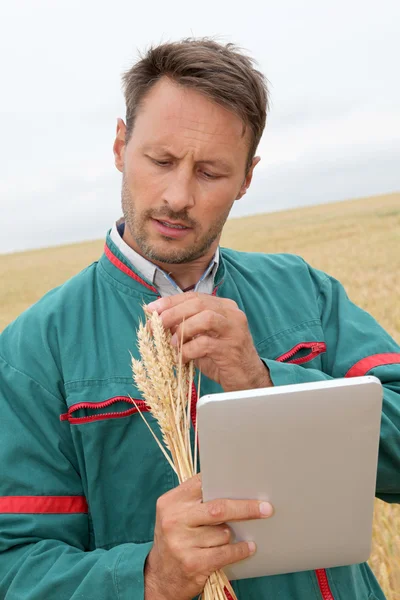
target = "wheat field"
x: 357, y: 241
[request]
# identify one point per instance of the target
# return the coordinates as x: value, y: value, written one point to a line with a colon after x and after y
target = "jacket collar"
x: 121, y: 270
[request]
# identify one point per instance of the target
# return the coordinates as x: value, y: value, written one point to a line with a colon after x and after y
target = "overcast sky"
x: 333, y: 131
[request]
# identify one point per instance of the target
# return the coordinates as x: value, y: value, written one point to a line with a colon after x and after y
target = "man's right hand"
x: 192, y: 540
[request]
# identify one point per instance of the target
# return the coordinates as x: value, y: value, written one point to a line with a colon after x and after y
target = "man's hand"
x: 216, y: 336
x: 192, y: 540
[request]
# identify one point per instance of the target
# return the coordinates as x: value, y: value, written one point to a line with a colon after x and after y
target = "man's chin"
x: 171, y: 251
x: 169, y: 258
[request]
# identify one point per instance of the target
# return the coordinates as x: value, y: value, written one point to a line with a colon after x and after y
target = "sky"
x: 333, y: 131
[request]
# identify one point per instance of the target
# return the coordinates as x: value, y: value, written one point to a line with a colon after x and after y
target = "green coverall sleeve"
x: 356, y: 345
x: 44, y: 554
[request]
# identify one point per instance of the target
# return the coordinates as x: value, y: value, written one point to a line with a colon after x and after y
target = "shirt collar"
x: 155, y: 274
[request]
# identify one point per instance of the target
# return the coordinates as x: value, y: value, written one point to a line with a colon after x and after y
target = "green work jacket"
x: 80, y: 472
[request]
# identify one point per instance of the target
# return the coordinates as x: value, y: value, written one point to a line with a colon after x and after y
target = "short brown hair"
x: 221, y: 72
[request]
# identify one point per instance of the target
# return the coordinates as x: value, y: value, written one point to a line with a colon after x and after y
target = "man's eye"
x: 209, y: 175
x: 161, y: 163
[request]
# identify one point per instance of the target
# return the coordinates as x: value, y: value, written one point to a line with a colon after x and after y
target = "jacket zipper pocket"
x: 105, y: 415
x: 315, y: 348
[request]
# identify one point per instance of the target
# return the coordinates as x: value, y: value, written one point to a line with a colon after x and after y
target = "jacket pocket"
x: 122, y: 469
x: 303, y: 344
x: 112, y: 408
x: 302, y: 353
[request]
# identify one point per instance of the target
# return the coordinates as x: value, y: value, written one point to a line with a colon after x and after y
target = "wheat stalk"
x: 166, y: 385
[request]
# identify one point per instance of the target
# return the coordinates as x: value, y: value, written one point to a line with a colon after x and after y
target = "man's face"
x: 183, y: 168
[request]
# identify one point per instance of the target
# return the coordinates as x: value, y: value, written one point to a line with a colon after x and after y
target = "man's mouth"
x: 171, y: 230
x: 172, y: 225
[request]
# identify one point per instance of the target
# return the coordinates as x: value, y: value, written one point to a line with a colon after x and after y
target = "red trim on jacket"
x: 316, y: 348
x: 43, y: 505
x: 323, y: 583
x: 106, y: 415
x: 370, y: 362
x: 193, y: 407
x: 125, y: 269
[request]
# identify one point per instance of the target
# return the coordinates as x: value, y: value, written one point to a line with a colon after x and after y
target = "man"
x: 90, y: 509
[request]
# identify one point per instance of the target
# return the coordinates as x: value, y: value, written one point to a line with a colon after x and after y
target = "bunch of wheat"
x: 166, y: 385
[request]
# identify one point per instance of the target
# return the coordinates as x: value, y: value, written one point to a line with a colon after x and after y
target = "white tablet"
x: 311, y: 450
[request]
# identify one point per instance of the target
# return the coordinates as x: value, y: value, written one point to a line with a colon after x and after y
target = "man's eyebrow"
x: 157, y: 148
x: 218, y: 163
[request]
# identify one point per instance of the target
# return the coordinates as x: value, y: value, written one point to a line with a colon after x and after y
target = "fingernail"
x: 174, y: 340
x: 252, y: 547
x: 152, y: 306
x: 266, y: 509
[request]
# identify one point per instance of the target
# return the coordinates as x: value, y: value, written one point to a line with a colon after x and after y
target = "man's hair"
x: 223, y: 73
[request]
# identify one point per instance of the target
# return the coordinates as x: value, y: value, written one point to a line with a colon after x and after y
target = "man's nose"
x: 179, y: 194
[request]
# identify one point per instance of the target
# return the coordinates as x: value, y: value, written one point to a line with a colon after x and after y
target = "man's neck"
x: 185, y: 275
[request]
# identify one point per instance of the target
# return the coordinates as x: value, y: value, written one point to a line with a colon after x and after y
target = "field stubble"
x: 357, y: 241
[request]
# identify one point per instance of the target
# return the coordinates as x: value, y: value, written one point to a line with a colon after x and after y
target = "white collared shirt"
x: 159, y: 278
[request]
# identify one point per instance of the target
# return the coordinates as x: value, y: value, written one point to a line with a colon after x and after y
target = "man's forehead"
x: 169, y: 105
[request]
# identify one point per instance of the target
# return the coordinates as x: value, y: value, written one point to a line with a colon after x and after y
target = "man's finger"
x: 189, y: 489
x: 221, y: 556
x: 200, y: 347
x: 207, y: 322
x: 211, y: 536
x: 163, y: 304
x: 176, y: 315
x: 173, y: 309
x: 223, y: 510
x: 192, y: 486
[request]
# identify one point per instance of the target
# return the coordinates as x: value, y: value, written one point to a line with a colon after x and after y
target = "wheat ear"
x: 166, y: 385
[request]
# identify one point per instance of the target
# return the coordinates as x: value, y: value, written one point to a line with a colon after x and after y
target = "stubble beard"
x: 136, y: 224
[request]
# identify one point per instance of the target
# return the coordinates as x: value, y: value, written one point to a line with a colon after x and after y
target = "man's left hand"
x: 215, y: 334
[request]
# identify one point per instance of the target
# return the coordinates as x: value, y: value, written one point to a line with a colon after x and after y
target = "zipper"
x: 324, y: 584
x: 193, y: 408
x: 316, y: 348
x: 142, y: 406
x: 228, y: 595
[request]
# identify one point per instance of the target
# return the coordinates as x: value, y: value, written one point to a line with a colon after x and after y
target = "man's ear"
x: 249, y: 176
x: 119, y: 145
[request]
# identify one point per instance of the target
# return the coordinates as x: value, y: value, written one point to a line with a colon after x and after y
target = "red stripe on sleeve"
x: 43, y: 504
x: 370, y: 362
